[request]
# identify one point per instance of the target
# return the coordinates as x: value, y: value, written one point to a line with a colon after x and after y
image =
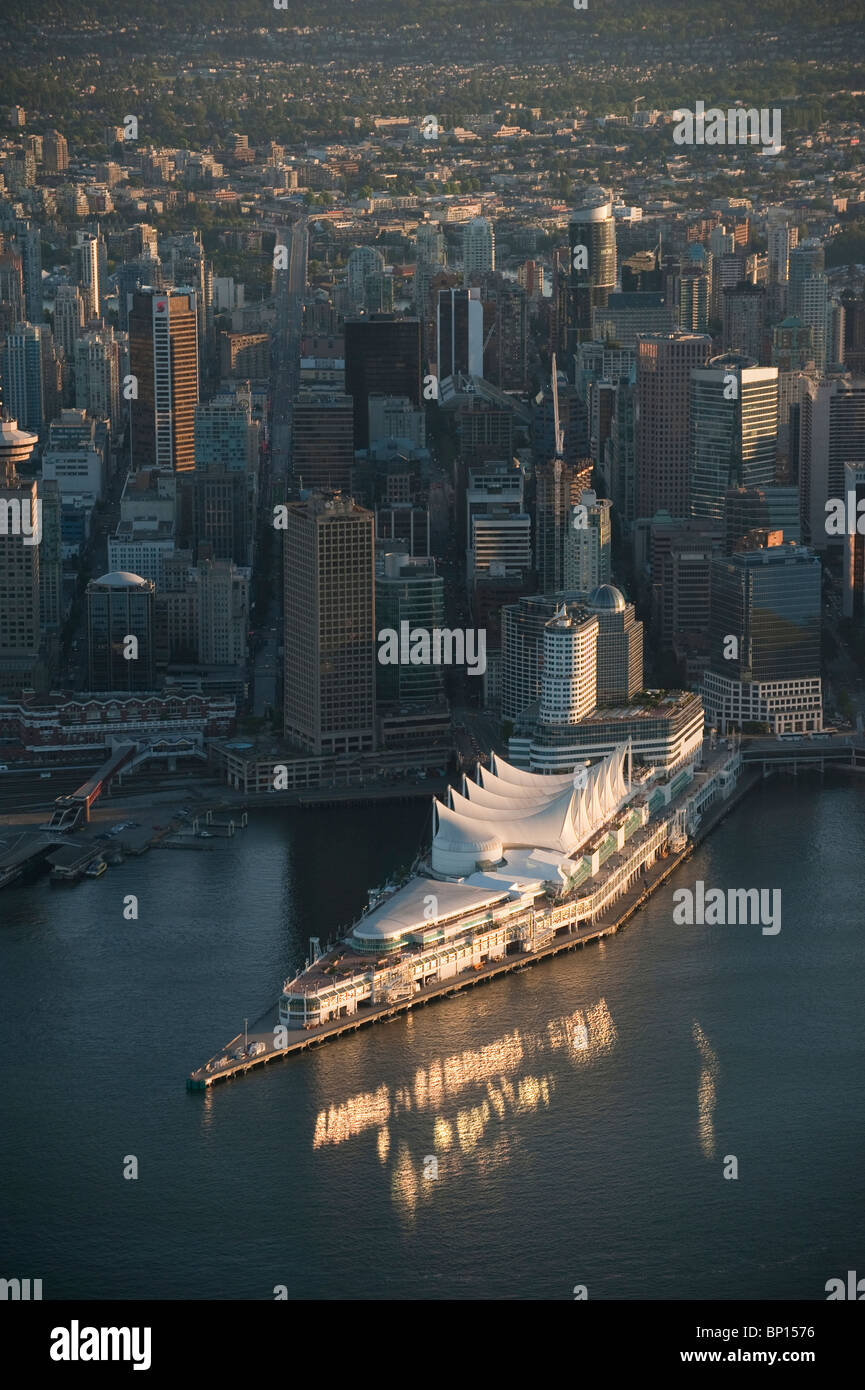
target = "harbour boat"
x: 96, y: 869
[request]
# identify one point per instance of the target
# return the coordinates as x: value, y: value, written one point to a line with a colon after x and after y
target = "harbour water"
x: 567, y: 1125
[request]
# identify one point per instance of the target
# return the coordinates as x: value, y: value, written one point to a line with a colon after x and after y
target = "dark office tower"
x: 505, y: 331
x: 322, y: 454
x: 120, y: 607
x: 662, y: 430
x: 163, y: 359
x: 592, y: 240
x: 854, y: 333
x: 734, y: 430
x: 330, y: 637
x: 557, y: 490
x: 382, y: 357
x: 29, y: 244
x: 460, y: 333
x: 769, y: 601
x: 806, y: 261
x: 744, y: 318
x: 749, y: 509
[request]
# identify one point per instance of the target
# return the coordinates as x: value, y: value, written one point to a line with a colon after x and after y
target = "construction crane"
x: 558, y: 432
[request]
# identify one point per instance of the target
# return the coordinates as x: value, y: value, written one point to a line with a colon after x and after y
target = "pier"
x: 224, y: 1066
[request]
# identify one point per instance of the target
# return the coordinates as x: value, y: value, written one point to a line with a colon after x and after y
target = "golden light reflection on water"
x: 706, y: 1092
x: 477, y: 1131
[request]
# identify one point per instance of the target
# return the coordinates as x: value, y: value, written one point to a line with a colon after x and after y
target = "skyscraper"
x: 409, y: 591
x: 322, y: 454
x: 662, y: 430
x: 163, y: 353
x: 20, y: 535
x: 619, y: 659
x: 765, y: 641
x: 23, y: 383
x: 569, y: 684
x: 479, y: 246
x: 97, y: 376
x: 587, y: 544
x: 382, y: 357
x: 734, y: 430
x: 120, y: 608
x: 86, y: 253
x: 55, y: 152
x: 28, y: 243
x: 832, y: 434
x: 592, y: 240
x: 330, y: 639
x: 806, y: 260
x: 460, y: 333
x: 362, y: 261
x: 815, y: 310
x: 68, y: 319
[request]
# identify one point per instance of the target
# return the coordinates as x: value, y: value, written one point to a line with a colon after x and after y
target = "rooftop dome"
x: 607, y: 598
x: 122, y: 579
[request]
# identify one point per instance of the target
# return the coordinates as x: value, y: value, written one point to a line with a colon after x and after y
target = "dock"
x: 264, y: 1029
x: 224, y: 1065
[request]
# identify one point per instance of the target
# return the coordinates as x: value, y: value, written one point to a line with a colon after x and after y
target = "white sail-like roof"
x: 538, y: 781
x: 495, y: 793
x: 487, y: 821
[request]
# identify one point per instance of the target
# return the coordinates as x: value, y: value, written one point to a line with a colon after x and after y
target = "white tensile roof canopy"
x: 512, y: 809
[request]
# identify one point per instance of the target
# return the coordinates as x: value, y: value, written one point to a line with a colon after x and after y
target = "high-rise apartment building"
x: 97, y: 377
x: 68, y: 319
x: 330, y: 638
x: 86, y: 260
x: 587, y: 546
x: 479, y: 246
x: 592, y: 277
x: 55, y: 152
x: 23, y: 380
x: 163, y: 355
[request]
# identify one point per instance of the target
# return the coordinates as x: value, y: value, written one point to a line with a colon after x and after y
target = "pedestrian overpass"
x: 73, y: 810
